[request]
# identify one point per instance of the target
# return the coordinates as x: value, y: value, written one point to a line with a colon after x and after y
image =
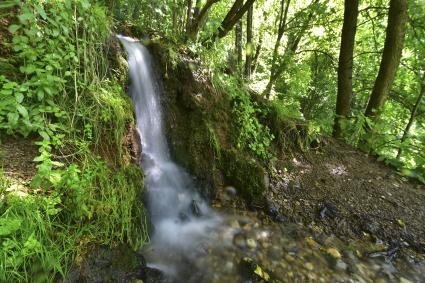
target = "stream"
x: 192, y: 242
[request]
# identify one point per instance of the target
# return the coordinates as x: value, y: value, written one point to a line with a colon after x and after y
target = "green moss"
x: 247, y: 175
x: 290, y: 133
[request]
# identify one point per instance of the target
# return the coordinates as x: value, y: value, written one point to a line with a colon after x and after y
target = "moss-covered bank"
x: 199, y: 123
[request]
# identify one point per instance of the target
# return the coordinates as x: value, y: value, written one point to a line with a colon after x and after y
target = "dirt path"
x: 16, y: 157
x: 350, y: 195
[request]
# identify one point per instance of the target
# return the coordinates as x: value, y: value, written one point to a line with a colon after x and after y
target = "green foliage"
x: 249, y: 133
x: 64, y: 94
x: 246, y: 173
x: 39, y: 231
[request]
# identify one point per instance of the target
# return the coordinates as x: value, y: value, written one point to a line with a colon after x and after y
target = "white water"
x: 172, y: 198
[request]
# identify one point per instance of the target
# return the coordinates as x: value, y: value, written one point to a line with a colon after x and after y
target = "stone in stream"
x: 252, y: 272
x: 231, y: 191
x: 239, y: 240
x: 153, y: 275
x: 195, y: 209
x: 104, y: 264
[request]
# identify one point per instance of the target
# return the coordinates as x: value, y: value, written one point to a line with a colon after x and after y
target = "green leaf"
x: 13, y: 118
x: 9, y: 4
x: 44, y: 135
x: 40, y: 95
x: 19, y: 97
x: 41, y: 11
x: 25, y: 17
x: 9, y: 226
x: 22, y: 110
x: 13, y: 28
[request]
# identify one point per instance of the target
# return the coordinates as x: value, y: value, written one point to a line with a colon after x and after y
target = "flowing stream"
x: 181, y: 218
x: 193, y: 243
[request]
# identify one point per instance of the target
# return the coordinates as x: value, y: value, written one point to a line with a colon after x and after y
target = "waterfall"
x: 182, y: 220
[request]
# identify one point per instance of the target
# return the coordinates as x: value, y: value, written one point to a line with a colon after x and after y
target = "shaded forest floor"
x: 333, y: 196
x: 349, y: 194
x: 16, y: 158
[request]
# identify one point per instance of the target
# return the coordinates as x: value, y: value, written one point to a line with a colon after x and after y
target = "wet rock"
x: 328, y: 210
x: 251, y: 243
x: 341, y: 265
x: 235, y: 224
x: 230, y: 191
x: 133, y: 144
x: 153, y: 275
x: 195, y: 209
x: 273, y: 210
x: 333, y: 252
x: 103, y: 264
x: 239, y: 240
x: 251, y: 271
x: 183, y: 217
x: 309, y: 266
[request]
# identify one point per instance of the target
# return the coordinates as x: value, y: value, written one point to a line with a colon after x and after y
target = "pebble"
x: 311, y: 242
x: 309, y: 266
x: 289, y: 258
x: 239, y: 240
x: 251, y: 243
x: 333, y: 252
x: 235, y: 224
x: 341, y: 265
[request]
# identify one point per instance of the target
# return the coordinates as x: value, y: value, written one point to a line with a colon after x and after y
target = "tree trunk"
x: 197, y: 22
x: 233, y: 16
x: 175, y: 16
x: 238, y: 45
x: 393, y: 47
x: 249, y: 47
x: 281, y: 29
x: 198, y: 7
x: 345, y: 67
x: 291, y: 48
x: 412, y: 118
x: 257, y: 54
x: 189, y: 15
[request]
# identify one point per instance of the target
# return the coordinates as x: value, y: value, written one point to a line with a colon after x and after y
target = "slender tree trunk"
x: 393, y: 47
x: 345, y: 67
x: 198, y: 7
x: 233, y: 16
x: 249, y: 47
x: 291, y: 48
x: 189, y: 15
x: 197, y: 22
x: 257, y: 54
x: 412, y: 118
x: 281, y: 29
x: 175, y: 16
x: 238, y: 45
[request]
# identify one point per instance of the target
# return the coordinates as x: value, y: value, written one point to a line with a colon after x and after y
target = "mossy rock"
x: 249, y: 177
x: 104, y: 264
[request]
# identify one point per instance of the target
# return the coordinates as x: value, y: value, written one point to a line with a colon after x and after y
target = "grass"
x: 41, y: 234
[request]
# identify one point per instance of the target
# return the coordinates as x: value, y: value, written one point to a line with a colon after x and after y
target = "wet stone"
x: 309, y: 266
x: 195, y: 209
x: 231, y: 191
x: 341, y: 265
x: 239, y: 240
x: 251, y: 243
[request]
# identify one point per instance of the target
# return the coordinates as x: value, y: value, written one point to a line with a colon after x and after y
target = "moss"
x: 199, y: 124
x: 290, y: 133
x: 246, y: 173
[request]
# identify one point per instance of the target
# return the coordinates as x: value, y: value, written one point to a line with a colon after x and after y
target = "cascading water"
x: 192, y: 243
x: 180, y: 217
